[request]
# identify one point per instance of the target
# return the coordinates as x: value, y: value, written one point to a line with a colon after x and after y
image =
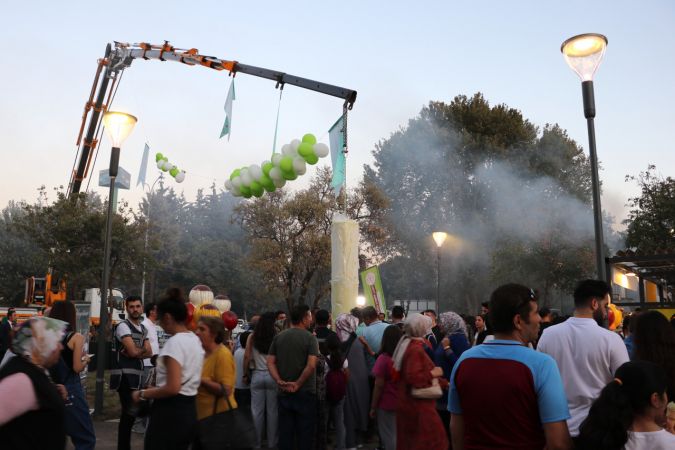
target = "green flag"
x: 372, y: 288
x: 336, y: 137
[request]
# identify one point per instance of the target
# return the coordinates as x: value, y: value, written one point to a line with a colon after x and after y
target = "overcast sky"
x: 398, y: 55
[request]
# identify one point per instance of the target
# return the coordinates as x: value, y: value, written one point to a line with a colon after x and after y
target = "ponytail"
x: 335, y: 358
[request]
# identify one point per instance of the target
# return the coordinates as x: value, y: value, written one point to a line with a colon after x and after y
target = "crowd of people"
x: 511, y: 376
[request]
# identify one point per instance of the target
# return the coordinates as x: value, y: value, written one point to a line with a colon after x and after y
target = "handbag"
x: 432, y: 392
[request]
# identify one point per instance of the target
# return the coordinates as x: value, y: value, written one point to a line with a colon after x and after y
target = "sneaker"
x: 138, y: 428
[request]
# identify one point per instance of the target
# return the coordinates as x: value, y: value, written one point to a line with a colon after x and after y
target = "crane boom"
x: 119, y: 58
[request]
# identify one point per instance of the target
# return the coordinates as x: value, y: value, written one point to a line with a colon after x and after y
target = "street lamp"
x: 439, y: 237
x: 118, y: 126
x: 583, y: 53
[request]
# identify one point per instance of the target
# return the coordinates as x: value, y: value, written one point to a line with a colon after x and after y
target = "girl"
x: 383, y: 404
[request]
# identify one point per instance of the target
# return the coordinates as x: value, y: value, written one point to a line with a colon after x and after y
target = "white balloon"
x: 321, y: 150
x: 246, y: 177
x: 180, y: 176
x: 255, y: 171
x: 299, y: 165
x: 160, y: 163
x: 279, y: 183
x: 228, y: 185
x: 295, y: 143
x: 285, y: 149
x: 236, y: 182
x: 235, y: 191
x: 276, y: 159
x: 275, y: 174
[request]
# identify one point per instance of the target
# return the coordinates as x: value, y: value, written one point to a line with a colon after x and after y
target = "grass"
x: 111, y: 401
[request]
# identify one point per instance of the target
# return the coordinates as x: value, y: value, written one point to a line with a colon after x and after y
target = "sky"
x: 398, y: 55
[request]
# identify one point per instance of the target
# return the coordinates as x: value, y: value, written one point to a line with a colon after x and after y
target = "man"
x: 503, y: 393
x: 321, y: 330
x: 436, y: 335
x: 292, y: 362
x: 281, y: 315
x: 133, y: 347
x: 6, y: 331
x: 372, y: 334
x: 484, y: 308
x: 587, y: 354
x: 397, y: 316
x: 150, y: 310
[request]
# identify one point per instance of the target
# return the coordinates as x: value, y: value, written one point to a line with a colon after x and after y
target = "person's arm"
x: 618, y: 354
x: 76, y: 344
x: 274, y: 372
x: 557, y: 436
x: 366, y: 346
x: 132, y: 351
x: 377, y: 393
x: 14, y: 405
x: 172, y: 386
x: 248, y: 353
x: 457, y: 431
x: 307, y: 371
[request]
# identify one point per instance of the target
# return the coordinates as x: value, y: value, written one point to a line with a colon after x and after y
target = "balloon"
x: 299, y: 165
x: 286, y: 164
x: 228, y: 185
x: 222, y: 302
x: 180, y: 177
x: 230, y: 320
x: 309, y: 138
x: 279, y: 183
x: 245, y: 191
x: 287, y: 150
x: 266, y: 167
x: 160, y: 163
x: 164, y: 165
x: 312, y: 159
x: 235, y: 173
x: 289, y: 174
x: 295, y: 143
x: 275, y: 174
x: 236, y: 192
x: 174, y: 172
x: 246, y: 177
x: 159, y: 156
x: 256, y: 189
x: 305, y: 149
x: 236, y: 182
x: 321, y: 150
x: 276, y: 159
x: 267, y: 183
x: 255, y: 171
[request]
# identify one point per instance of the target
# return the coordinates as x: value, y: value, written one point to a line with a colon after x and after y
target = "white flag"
x: 227, y: 126
x: 144, y: 166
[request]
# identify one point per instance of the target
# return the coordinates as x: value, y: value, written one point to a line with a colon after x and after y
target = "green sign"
x: 372, y: 289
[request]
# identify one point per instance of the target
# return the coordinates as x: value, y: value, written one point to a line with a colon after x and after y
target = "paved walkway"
x: 106, y: 436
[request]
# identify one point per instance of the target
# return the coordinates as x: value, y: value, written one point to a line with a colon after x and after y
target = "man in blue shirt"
x: 372, y: 333
x: 504, y: 394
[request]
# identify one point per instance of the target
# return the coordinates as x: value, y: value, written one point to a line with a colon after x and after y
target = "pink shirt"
x: 382, y: 369
x: 13, y: 404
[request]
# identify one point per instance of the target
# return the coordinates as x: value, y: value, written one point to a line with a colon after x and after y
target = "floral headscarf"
x: 37, y: 338
x: 345, y: 325
x: 416, y: 326
x: 451, y: 323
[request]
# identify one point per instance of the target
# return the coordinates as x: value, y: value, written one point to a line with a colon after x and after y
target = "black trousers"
x: 172, y: 424
x: 126, y: 418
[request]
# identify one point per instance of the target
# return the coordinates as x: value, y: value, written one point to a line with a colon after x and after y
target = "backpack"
x: 336, y: 385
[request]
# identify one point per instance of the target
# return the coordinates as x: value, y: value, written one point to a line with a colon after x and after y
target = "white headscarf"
x: 415, y: 326
x: 37, y: 338
x: 345, y: 325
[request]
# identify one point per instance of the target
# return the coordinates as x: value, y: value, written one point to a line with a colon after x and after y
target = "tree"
x: 651, y: 220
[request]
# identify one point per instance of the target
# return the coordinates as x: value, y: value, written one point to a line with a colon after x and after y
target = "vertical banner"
x: 144, y: 166
x: 336, y: 137
x: 372, y: 289
x: 227, y: 125
x: 344, y: 264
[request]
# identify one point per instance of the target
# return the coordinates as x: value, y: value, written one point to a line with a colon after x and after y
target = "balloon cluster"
x: 292, y: 162
x: 202, y: 303
x: 164, y: 164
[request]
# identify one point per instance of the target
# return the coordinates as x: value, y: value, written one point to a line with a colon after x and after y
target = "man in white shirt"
x: 148, y: 322
x: 587, y: 353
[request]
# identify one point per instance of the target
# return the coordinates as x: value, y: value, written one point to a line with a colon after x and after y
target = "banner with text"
x: 372, y: 289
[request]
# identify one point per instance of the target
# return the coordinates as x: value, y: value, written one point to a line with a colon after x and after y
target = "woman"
x: 418, y: 426
x: 337, y: 377
x: 383, y: 403
x: 629, y: 412
x: 32, y: 413
x: 173, y: 416
x: 452, y: 346
x: 481, y: 330
x: 654, y: 341
x: 358, y: 390
x: 67, y: 372
x: 263, y: 387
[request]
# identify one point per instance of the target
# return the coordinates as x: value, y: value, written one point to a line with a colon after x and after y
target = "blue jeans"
x: 297, y: 420
x: 78, y: 422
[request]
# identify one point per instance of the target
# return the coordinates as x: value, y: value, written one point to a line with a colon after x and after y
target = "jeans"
x: 386, y: 424
x: 264, y: 405
x: 337, y: 413
x: 297, y: 420
x: 78, y: 422
x: 126, y: 418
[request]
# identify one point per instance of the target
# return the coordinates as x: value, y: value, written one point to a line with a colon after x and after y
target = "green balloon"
x: 289, y: 174
x: 267, y: 167
x: 305, y: 149
x: 309, y: 138
x: 158, y: 156
x: 174, y: 172
x: 312, y: 159
x: 286, y: 164
x: 256, y: 189
x: 235, y: 173
x: 267, y: 183
x: 245, y: 191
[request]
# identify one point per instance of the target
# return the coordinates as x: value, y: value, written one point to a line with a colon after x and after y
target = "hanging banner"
x: 227, y: 125
x: 372, y: 289
x: 337, y: 143
x: 144, y: 166
x: 344, y: 280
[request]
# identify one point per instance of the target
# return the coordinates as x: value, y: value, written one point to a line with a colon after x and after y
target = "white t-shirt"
x: 652, y: 440
x: 587, y: 356
x: 239, y: 363
x: 152, y: 337
x: 187, y: 350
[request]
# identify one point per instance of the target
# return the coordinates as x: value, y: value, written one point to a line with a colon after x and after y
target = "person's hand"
x: 372, y: 413
x: 437, y: 372
x: 63, y: 392
x: 291, y: 387
x: 445, y: 343
x: 136, y: 396
x: 245, y: 379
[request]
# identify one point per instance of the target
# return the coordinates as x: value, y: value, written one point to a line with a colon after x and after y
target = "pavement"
x: 106, y: 436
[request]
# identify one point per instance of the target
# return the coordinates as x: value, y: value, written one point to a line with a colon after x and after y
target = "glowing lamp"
x: 118, y: 126
x: 583, y: 53
x: 439, y: 237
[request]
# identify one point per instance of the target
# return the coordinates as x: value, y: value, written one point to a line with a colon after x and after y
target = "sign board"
x: 372, y: 289
x: 123, y: 180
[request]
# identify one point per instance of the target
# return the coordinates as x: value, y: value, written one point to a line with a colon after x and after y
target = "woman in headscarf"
x: 29, y: 397
x: 358, y: 390
x: 455, y: 342
x: 418, y: 426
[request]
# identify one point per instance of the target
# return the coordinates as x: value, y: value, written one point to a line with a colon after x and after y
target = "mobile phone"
x: 90, y: 355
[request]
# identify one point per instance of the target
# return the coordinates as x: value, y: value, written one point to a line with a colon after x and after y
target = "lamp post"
x: 583, y: 53
x: 118, y: 126
x: 439, y: 238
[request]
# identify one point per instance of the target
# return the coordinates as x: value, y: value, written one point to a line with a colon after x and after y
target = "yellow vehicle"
x: 45, y: 291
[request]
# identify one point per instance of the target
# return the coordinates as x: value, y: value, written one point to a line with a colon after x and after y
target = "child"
x: 337, y: 375
x: 629, y: 412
